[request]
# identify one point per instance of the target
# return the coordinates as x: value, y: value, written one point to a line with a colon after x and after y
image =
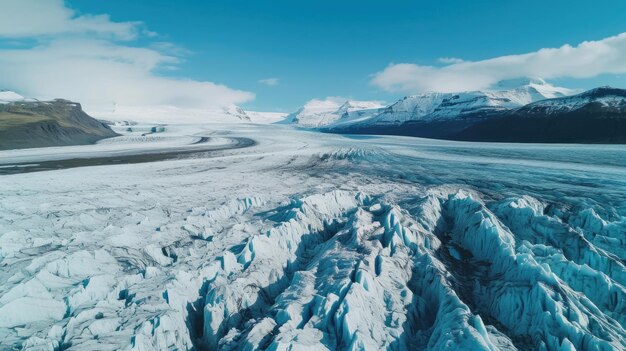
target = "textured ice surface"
x: 310, y: 241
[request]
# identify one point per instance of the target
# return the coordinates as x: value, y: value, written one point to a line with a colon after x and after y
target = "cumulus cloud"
x: 450, y: 60
x: 269, y: 81
x: 94, y: 72
x: 45, y: 18
x: 90, y: 59
x: 585, y: 60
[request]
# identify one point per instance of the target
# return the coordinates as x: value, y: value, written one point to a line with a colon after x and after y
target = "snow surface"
x: 308, y: 241
x: 266, y: 117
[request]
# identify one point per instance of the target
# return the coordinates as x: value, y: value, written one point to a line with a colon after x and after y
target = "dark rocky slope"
x: 27, y: 124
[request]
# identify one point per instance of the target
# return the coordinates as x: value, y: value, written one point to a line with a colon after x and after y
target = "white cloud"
x: 45, y: 18
x: 99, y: 72
x: 269, y: 81
x: 450, y: 60
x: 81, y: 58
x: 587, y: 59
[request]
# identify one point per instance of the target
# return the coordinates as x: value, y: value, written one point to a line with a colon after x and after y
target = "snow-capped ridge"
x: 319, y: 113
x: 353, y: 105
x: 436, y: 106
x: 606, y: 96
x: 237, y: 112
x: 533, y: 85
x: 7, y: 96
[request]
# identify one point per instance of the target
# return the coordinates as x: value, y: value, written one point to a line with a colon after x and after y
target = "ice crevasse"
x: 345, y: 271
x: 444, y: 269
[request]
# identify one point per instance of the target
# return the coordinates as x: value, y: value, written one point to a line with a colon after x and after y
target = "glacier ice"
x: 310, y: 241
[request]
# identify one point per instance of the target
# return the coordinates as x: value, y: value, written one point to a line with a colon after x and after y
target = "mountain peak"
x: 236, y: 111
x: 534, y: 86
x: 10, y: 96
x: 316, y: 112
x: 353, y: 105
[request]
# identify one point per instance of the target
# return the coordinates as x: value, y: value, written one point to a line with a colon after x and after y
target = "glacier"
x: 311, y: 241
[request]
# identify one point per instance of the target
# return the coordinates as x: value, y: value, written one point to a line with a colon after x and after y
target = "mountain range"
x: 518, y: 110
x: 521, y: 110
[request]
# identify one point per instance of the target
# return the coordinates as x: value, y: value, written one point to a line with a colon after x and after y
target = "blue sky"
x: 330, y: 48
x: 315, y: 49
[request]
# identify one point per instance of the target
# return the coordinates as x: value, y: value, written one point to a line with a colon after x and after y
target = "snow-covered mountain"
x: 538, y: 85
x: 602, y: 97
x: 7, y: 96
x: 319, y: 113
x: 445, y: 106
x: 236, y: 112
x: 505, y: 95
x: 595, y: 116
